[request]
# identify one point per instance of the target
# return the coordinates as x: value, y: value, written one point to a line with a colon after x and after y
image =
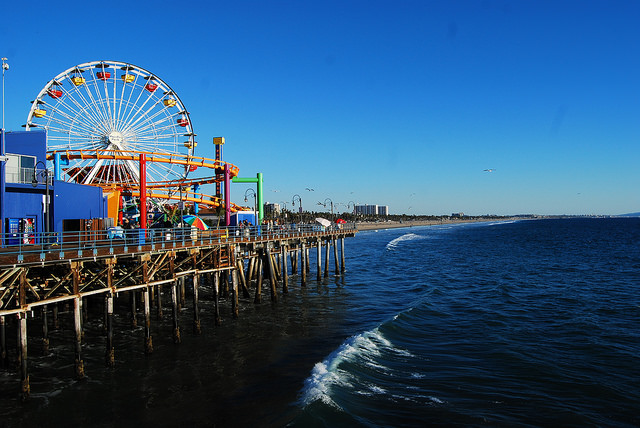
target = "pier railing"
x: 93, y: 242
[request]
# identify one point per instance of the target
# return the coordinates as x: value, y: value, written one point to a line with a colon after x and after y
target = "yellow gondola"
x: 39, y: 112
x: 78, y: 80
x: 128, y: 78
x: 169, y: 101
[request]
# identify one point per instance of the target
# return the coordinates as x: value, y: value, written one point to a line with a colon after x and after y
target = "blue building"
x: 24, y: 182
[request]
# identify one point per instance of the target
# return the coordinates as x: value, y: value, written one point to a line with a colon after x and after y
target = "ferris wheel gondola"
x: 105, y: 106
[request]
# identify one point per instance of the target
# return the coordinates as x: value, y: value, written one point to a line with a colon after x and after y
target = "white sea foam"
x: 404, y: 238
x: 364, y: 349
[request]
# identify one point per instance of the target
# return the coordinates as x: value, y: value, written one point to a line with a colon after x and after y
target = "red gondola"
x: 54, y: 93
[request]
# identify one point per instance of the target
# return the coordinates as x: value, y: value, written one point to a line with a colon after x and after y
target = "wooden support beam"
x: 233, y: 277
x: 284, y: 270
x: 303, y: 266
x: 243, y: 281
x: 45, y: 331
x: 335, y: 257
x: 216, y: 297
x: 250, y: 270
x: 197, y: 328
x: 110, y: 350
x: 148, y: 340
x: 342, y: 268
x: 174, y: 302
x: 268, y: 267
x: 132, y: 300
x: 182, y: 303
x: 25, y: 390
x: 258, y: 297
x: 326, y: 258
x: 319, y: 257
x: 3, y: 342
x: 77, y: 309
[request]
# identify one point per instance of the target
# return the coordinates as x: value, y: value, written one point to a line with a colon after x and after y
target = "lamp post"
x: 250, y: 192
x: 324, y: 204
x: 34, y: 183
x: 5, y: 67
x: 3, y: 159
x: 284, y: 210
x: 293, y: 204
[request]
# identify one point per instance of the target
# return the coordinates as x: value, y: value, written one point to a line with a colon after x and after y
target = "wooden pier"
x: 36, y: 279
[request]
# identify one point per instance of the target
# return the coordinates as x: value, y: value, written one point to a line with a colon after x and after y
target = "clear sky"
x: 398, y: 103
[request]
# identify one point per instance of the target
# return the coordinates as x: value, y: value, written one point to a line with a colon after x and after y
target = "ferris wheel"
x: 105, y: 106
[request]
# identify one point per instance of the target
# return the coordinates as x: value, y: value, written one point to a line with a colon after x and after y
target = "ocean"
x: 522, y: 323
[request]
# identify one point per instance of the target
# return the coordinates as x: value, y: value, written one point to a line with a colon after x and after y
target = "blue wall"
x: 68, y: 200
x: 32, y: 143
x: 76, y: 201
x: 22, y: 200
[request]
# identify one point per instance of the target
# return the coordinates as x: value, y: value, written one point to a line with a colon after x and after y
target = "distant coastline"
x: 415, y: 223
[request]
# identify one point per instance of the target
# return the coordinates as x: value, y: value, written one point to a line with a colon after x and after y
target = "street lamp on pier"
x: 34, y: 182
x: 324, y: 204
x: 5, y: 66
x: 293, y: 204
x: 250, y: 192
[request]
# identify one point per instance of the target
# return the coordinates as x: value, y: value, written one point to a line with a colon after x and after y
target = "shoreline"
x: 361, y: 226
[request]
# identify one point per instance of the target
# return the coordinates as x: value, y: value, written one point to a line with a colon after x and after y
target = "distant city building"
x: 372, y: 209
x: 272, y: 209
x: 457, y: 215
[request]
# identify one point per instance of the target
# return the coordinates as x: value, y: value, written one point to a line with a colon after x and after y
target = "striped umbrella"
x: 195, y: 221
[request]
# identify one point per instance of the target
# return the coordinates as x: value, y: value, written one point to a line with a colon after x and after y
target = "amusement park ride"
x: 122, y: 128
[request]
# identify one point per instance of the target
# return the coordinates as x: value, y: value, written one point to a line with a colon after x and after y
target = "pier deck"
x: 42, y: 271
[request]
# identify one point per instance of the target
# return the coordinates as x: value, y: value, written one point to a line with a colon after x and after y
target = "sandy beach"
x: 397, y: 224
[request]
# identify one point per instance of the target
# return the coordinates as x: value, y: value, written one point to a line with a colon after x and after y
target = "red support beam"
x: 143, y: 191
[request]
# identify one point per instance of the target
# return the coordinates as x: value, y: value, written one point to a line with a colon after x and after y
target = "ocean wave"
x: 404, y: 238
x: 363, y: 350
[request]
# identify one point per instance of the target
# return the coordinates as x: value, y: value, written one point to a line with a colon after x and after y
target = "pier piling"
x: 24, y: 374
x: 303, y: 266
x: 110, y: 351
x: 284, y: 270
x: 216, y: 298
x: 34, y: 283
x: 197, y: 328
x: 174, y: 302
x: 319, y: 257
x: 335, y: 257
x: 3, y: 342
x: 77, y: 313
x: 148, y: 340
x: 45, y: 331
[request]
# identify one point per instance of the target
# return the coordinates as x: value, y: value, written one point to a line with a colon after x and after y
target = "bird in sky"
x: 306, y: 188
x: 489, y: 170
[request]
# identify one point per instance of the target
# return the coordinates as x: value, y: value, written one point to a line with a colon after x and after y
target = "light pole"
x: 34, y: 183
x: 255, y: 203
x: 284, y: 211
x: 293, y: 203
x: 5, y: 66
x: 324, y: 204
x: 3, y: 159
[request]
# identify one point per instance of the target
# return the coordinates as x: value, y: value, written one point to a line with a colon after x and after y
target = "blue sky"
x: 399, y: 103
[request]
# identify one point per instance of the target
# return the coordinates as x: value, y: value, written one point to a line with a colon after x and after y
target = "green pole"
x: 259, y: 182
